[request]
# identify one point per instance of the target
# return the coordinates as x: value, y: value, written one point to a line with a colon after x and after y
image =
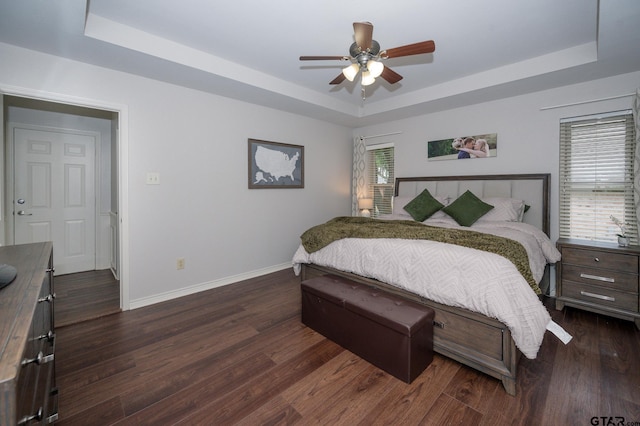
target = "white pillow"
x: 504, y: 210
x: 398, y: 206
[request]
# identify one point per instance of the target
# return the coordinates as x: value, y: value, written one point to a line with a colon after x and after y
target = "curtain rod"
x: 379, y: 136
x: 587, y: 102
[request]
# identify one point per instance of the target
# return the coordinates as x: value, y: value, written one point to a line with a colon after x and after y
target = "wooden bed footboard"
x: 472, y: 339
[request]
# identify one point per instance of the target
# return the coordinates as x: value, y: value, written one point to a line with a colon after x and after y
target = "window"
x: 380, y: 177
x: 596, y: 177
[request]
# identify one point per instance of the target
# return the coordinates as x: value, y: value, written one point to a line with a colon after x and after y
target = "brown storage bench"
x: 391, y: 333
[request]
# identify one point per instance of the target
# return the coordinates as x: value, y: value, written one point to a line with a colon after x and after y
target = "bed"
x: 463, y: 285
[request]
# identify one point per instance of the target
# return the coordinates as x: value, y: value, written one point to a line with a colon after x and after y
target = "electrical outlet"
x: 180, y: 263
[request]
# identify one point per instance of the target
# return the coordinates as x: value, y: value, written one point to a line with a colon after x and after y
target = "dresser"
x: 598, y: 277
x: 28, y: 394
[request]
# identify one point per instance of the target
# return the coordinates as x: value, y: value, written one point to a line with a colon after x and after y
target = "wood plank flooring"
x: 85, y: 295
x: 239, y: 355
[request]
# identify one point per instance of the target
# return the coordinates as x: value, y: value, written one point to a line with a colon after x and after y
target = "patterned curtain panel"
x: 636, y: 178
x: 359, y: 185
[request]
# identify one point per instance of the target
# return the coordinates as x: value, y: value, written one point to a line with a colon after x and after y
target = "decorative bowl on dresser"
x: 28, y: 393
x: 599, y: 277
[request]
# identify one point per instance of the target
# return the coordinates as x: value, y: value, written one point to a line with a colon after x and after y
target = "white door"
x: 54, y: 195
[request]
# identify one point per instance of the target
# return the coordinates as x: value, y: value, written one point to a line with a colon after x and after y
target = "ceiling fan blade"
x: 339, y: 79
x: 410, y: 49
x: 390, y: 75
x: 323, y: 58
x: 363, y: 34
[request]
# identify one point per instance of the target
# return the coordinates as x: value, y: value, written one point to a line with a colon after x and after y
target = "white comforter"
x: 453, y: 275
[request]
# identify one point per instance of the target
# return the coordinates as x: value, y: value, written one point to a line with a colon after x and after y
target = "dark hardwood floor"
x: 239, y: 355
x: 85, y: 295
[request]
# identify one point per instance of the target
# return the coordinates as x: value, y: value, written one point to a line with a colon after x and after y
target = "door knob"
x: 23, y: 213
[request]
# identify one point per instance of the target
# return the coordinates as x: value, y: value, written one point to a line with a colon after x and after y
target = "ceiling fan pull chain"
x: 364, y: 94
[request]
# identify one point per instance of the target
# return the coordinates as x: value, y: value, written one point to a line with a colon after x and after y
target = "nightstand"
x: 598, y: 277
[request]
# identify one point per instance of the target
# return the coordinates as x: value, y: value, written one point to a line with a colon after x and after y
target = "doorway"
x: 71, y: 197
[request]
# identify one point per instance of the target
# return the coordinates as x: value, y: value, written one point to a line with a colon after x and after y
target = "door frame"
x: 121, y: 141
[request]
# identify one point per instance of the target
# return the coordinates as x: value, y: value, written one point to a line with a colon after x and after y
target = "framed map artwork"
x: 275, y: 165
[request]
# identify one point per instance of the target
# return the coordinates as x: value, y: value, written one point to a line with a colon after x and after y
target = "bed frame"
x: 475, y: 340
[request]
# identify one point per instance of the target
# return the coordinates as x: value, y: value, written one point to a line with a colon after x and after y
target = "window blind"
x: 380, y: 177
x: 596, y: 177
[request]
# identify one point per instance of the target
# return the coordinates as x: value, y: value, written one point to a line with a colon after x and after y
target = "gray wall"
x: 202, y: 210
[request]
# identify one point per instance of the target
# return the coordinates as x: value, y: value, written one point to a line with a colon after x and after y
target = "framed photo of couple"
x: 463, y: 147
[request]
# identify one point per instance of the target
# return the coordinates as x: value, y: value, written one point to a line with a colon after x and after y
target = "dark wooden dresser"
x: 28, y: 393
x: 599, y: 277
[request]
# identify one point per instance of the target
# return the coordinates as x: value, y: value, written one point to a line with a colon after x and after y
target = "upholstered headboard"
x: 532, y: 188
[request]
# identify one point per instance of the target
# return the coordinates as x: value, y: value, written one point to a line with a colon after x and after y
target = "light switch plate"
x: 153, y: 178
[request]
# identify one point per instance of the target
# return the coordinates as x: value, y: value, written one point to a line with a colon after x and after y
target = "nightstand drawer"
x: 600, y: 277
x: 600, y: 296
x: 600, y: 259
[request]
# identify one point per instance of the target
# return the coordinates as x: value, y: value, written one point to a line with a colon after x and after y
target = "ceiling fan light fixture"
x: 365, y: 55
x: 367, y: 78
x: 375, y: 68
x: 351, y: 71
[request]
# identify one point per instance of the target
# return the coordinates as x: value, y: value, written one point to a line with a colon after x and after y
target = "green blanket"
x: 361, y: 227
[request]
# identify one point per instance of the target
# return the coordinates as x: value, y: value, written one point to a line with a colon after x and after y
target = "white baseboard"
x: 170, y: 295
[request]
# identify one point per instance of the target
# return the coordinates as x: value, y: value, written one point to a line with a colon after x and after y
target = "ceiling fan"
x: 366, y: 56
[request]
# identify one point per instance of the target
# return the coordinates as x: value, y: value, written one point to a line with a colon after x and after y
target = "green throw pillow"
x: 467, y: 209
x: 423, y: 206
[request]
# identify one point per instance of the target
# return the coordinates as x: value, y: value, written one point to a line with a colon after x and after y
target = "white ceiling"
x: 249, y: 49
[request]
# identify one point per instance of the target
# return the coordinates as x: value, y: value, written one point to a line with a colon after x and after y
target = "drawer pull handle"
x: 598, y: 296
x: 26, y: 419
x: 438, y: 324
x: 596, y: 277
x: 39, y: 359
x: 596, y: 259
x: 50, y: 336
x: 47, y: 298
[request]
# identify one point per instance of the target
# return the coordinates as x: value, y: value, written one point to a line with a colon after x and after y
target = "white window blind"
x: 380, y: 177
x: 596, y: 177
